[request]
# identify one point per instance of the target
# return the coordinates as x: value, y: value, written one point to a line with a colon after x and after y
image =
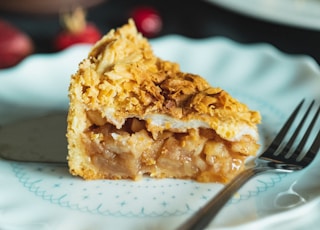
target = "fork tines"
x: 300, y: 129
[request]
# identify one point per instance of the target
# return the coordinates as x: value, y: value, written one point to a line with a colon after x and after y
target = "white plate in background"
x: 298, y: 13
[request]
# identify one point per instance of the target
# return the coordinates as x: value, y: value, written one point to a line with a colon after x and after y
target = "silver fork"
x: 280, y: 156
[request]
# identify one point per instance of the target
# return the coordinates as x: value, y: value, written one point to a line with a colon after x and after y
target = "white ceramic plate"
x: 38, y: 196
x: 299, y: 13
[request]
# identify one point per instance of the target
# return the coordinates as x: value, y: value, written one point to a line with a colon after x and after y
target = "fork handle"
x: 205, y: 215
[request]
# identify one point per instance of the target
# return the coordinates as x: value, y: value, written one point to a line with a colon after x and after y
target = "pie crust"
x: 133, y: 114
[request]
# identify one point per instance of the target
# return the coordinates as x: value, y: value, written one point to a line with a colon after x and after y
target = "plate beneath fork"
x: 258, y: 75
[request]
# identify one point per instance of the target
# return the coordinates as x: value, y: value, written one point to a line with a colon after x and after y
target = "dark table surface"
x: 194, y: 19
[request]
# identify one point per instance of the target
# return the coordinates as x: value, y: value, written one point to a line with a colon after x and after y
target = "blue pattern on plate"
x: 62, y: 189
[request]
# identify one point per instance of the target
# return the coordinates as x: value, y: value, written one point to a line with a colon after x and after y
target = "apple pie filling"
x: 133, y: 151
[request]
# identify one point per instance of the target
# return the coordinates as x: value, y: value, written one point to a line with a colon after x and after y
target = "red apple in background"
x: 15, y: 45
x: 76, y: 30
x: 148, y: 20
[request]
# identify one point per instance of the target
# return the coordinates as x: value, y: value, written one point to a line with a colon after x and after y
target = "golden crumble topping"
x: 123, y: 78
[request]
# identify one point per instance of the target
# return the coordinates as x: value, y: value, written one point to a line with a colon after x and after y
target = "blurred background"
x: 42, y: 22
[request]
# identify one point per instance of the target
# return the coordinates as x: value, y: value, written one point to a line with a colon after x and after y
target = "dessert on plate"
x: 133, y: 114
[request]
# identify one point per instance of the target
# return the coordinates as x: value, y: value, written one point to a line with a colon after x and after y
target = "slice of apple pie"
x: 133, y: 114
